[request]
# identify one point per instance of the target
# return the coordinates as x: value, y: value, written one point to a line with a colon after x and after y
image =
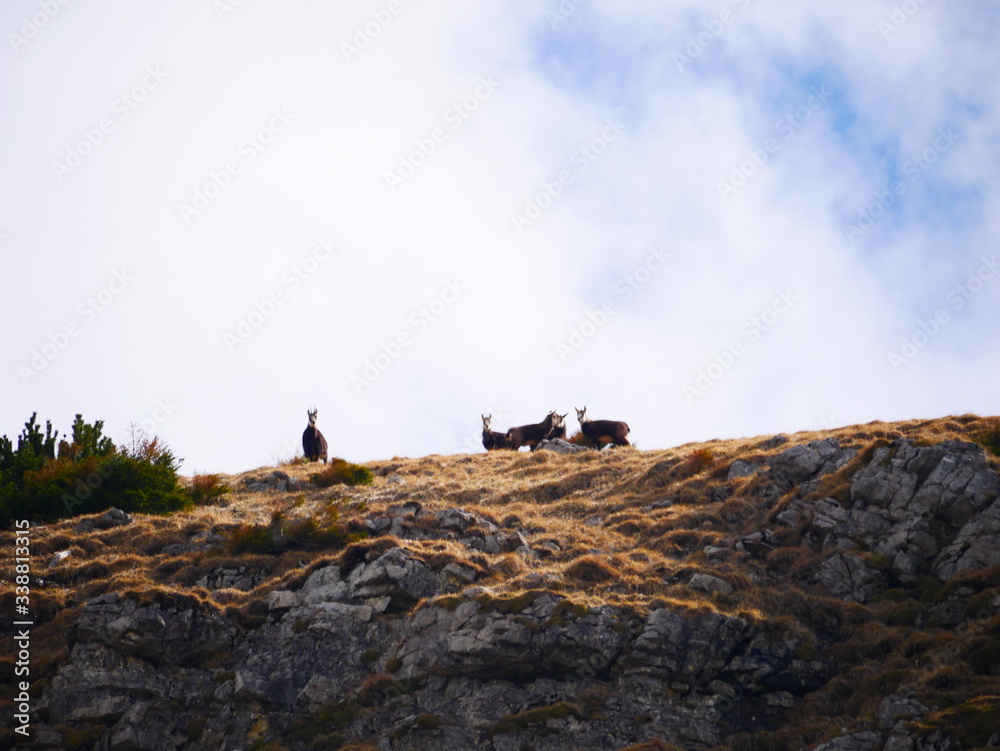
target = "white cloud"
x: 494, y: 347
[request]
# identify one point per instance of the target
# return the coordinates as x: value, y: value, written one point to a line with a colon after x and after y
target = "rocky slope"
x: 837, y: 591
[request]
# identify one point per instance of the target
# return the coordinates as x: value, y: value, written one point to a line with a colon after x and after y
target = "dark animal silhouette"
x: 531, y: 435
x: 558, y: 427
x: 493, y: 440
x: 313, y: 442
x: 603, y: 432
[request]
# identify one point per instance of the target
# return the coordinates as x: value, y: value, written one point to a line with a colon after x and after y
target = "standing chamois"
x: 603, y: 432
x: 558, y: 427
x: 491, y: 439
x: 313, y: 442
x: 531, y: 435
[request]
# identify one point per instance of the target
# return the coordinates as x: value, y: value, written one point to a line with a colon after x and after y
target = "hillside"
x: 836, y: 590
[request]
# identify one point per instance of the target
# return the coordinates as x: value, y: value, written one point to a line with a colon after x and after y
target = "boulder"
x: 741, y: 468
x: 801, y: 463
x: 559, y: 446
x: 711, y: 584
x: 685, y: 647
x: 895, y: 708
x: 111, y: 518
x: 324, y: 585
x: 952, y: 479
x: 850, y: 578
x: 542, y: 638
x: 862, y: 740
x: 395, y: 574
x: 976, y: 546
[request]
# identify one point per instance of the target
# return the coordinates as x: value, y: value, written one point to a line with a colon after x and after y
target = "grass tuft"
x: 988, y: 434
x: 341, y: 472
x: 206, y: 488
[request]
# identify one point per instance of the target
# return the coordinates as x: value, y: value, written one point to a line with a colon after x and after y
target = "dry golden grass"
x: 621, y: 527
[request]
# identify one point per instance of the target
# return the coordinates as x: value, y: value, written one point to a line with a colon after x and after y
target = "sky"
x: 707, y: 219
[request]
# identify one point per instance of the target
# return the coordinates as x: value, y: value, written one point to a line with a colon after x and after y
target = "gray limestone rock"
x: 559, y: 446
x: 804, y: 462
x: 862, y: 740
x: 741, y: 468
x: 711, y: 584
x: 850, y: 578
x: 976, y: 546
x: 111, y: 518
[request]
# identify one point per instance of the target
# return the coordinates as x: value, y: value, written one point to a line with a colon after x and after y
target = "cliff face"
x: 836, y: 590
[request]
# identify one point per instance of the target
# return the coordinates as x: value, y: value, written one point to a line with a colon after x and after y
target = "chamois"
x: 531, y: 435
x: 313, y: 442
x: 493, y: 440
x: 558, y: 427
x: 603, y: 431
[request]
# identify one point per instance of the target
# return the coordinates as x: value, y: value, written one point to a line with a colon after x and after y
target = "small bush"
x: 74, y: 739
x: 380, y: 688
x: 252, y: 539
x: 524, y: 720
x: 696, y: 462
x: 653, y: 745
x: 206, y: 488
x: 427, y: 721
x: 591, y: 570
x: 988, y: 435
x: 317, y: 726
x: 393, y: 664
x: 341, y: 472
x: 973, y: 723
x: 89, y: 475
x: 579, y: 439
x: 293, y: 534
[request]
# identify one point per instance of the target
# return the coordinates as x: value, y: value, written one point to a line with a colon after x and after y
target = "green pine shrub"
x: 87, y: 475
x: 988, y: 435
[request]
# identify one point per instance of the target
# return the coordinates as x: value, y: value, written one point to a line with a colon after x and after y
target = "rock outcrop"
x: 919, y: 507
x: 475, y: 624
